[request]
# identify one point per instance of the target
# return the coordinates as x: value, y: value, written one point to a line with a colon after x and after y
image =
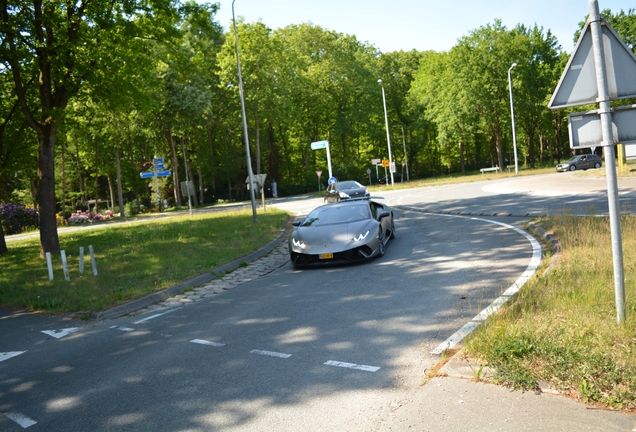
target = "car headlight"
x: 344, y: 195
x: 298, y: 243
x: 361, y: 237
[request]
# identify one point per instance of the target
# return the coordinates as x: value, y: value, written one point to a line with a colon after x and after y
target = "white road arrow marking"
x: 20, y: 419
x: 7, y: 355
x: 57, y: 334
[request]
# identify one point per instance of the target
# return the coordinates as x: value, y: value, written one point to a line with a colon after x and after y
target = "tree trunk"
x: 49, y: 240
x: 3, y: 243
x: 120, y: 194
x: 63, y: 180
x: 96, y: 177
x: 175, y: 168
x: 79, y: 172
x: 111, y: 192
x: 189, y: 176
x: 461, y: 157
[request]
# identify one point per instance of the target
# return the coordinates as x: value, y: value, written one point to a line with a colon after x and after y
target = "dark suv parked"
x: 580, y: 162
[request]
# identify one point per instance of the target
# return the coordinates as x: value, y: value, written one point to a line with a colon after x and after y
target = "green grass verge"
x: 562, y: 328
x: 133, y: 259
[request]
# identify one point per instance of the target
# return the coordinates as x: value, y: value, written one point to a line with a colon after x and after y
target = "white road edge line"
x: 204, y: 342
x: 352, y: 366
x: 20, y: 419
x: 270, y: 353
x: 156, y: 315
x: 535, y: 261
x: 7, y: 355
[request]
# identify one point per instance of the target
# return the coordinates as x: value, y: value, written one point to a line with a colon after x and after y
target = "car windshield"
x: 573, y: 159
x: 328, y: 215
x: 349, y: 185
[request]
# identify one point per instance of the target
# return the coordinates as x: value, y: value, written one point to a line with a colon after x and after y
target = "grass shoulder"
x: 561, y: 329
x: 133, y: 259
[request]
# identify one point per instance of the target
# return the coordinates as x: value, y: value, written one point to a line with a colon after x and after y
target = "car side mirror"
x: 297, y: 223
x: 384, y: 214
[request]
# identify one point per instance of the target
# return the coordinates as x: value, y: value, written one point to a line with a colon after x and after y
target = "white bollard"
x: 49, y: 265
x: 81, y: 260
x: 65, y: 265
x: 90, y: 249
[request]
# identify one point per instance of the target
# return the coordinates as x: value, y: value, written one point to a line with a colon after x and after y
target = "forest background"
x: 91, y: 92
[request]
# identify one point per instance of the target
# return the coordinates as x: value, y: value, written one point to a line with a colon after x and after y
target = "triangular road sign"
x: 578, y: 82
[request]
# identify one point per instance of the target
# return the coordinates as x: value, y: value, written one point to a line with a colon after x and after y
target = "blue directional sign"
x: 332, y: 180
x: 319, y: 145
x: 151, y: 174
x: 157, y: 161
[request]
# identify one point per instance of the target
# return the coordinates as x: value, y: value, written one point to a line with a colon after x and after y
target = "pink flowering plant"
x: 90, y: 216
x: 16, y: 218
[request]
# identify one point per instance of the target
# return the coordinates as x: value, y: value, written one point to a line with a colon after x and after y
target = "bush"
x: 16, y: 218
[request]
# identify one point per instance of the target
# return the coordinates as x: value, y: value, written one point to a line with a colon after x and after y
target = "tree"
x: 63, y: 44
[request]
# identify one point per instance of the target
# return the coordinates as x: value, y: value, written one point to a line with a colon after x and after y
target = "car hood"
x: 332, y: 234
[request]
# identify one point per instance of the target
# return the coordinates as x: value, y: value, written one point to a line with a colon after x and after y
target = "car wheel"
x: 572, y: 167
x: 382, y: 246
x: 392, y: 229
x: 597, y: 165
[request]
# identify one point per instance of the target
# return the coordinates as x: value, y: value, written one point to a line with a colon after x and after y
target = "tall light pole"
x: 512, y: 115
x: 406, y: 162
x: 388, y: 137
x: 247, y: 142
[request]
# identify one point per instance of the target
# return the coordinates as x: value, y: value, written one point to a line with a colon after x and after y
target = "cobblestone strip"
x: 260, y: 267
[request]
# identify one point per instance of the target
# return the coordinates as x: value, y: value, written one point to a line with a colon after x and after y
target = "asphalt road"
x: 324, y: 349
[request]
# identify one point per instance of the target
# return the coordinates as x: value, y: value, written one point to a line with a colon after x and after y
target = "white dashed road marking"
x: 352, y: 366
x: 7, y: 355
x: 57, y: 334
x: 20, y: 419
x: 270, y: 353
x: 204, y: 342
x: 156, y: 315
x: 126, y: 329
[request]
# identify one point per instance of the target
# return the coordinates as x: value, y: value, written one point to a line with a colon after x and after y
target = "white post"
x: 329, y: 159
x: 81, y: 259
x: 512, y: 115
x: 90, y: 249
x: 49, y: 265
x: 65, y: 265
x: 388, y: 135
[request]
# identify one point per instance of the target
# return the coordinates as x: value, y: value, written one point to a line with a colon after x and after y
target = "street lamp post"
x: 247, y: 142
x: 406, y: 162
x: 512, y: 115
x: 388, y: 137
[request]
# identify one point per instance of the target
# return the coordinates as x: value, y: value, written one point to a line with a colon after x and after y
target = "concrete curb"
x: 159, y: 296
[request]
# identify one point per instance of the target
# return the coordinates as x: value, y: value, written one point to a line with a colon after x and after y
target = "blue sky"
x: 418, y: 24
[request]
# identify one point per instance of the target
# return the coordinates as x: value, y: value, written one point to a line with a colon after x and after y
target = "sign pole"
x: 329, y: 159
x: 610, y: 162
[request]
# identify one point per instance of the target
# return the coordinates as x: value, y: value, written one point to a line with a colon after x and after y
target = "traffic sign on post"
x: 317, y: 145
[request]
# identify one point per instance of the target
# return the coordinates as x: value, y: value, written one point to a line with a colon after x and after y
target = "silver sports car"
x: 346, y: 231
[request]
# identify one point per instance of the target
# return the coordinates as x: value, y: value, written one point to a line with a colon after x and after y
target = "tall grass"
x: 133, y: 260
x: 563, y: 327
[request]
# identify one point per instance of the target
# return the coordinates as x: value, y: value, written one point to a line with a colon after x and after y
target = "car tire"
x: 572, y: 167
x: 597, y: 165
x: 382, y: 246
x: 392, y: 229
